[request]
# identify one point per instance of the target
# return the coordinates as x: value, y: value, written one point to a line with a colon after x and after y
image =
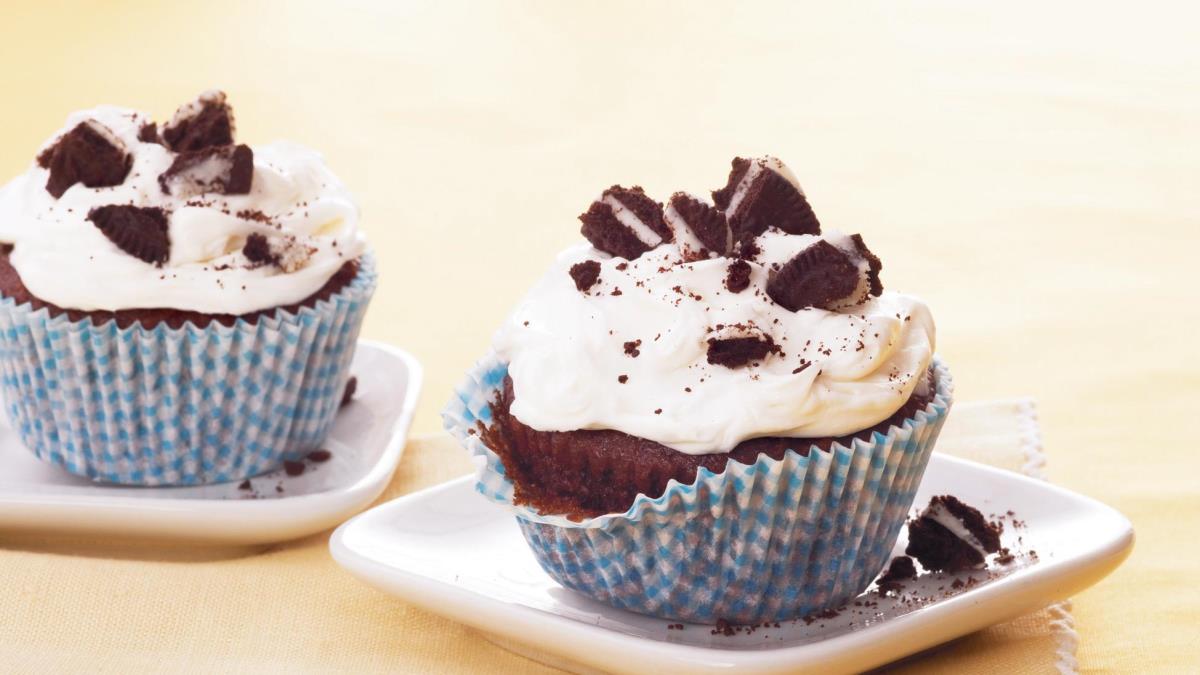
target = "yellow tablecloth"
x: 1030, y: 170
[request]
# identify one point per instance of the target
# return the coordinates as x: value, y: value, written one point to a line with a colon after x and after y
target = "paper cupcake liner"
x: 179, y: 406
x: 775, y: 540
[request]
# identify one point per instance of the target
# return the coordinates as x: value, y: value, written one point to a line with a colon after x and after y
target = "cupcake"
x: 710, y: 410
x: 175, y: 307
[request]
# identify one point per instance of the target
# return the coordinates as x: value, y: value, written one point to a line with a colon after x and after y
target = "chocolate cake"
x: 586, y: 473
x: 949, y: 536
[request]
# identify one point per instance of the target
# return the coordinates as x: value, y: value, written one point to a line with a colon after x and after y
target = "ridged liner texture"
x: 179, y: 406
x: 775, y: 540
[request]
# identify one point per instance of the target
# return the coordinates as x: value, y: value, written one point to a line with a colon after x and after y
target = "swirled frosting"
x: 304, y: 217
x: 606, y: 342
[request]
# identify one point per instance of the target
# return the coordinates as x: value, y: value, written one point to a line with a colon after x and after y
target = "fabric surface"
x: 1027, y: 168
x: 101, y: 606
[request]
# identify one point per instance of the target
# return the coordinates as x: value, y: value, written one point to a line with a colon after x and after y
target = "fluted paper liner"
x: 179, y: 406
x: 775, y: 540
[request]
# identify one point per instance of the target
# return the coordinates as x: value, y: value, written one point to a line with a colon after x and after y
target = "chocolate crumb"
x: 258, y: 250
x: 319, y: 456
x: 737, y: 277
x: 622, y: 379
x: 349, y: 391
x: 631, y: 348
x: 900, y: 569
x: 245, y: 485
x: 148, y: 133
x: 293, y: 468
x: 585, y: 274
x: 737, y: 352
x: 723, y: 627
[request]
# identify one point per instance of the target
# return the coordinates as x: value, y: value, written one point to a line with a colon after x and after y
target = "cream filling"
x: 942, y: 516
x: 629, y: 219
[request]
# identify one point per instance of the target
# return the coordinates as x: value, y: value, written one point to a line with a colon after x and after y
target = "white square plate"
x: 450, y: 551
x: 366, y: 442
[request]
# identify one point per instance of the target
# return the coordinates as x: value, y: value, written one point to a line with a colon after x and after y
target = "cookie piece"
x: 585, y: 274
x: 900, y: 569
x: 867, y: 264
x: 227, y: 169
x: 625, y: 223
x: 762, y: 193
x: 204, y: 123
x: 737, y: 276
x: 286, y: 253
x: 874, y: 264
x: 701, y: 231
x: 140, y: 232
x: 148, y: 133
x: 258, y: 250
x: 736, y: 352
x: 821, y: 275
x: 950, y: 536
x: 90, y: 154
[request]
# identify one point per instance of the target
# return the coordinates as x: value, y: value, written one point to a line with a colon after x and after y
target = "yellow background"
x: 1031, y: 171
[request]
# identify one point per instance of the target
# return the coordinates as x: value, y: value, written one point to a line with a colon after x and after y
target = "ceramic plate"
x: 365, y: 445
x: 450, y: 551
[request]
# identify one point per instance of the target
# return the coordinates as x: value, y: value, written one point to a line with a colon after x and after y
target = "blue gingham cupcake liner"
x: 179, y: 406
x: 771, y: 541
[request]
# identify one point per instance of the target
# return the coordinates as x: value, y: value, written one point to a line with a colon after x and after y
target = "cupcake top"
x: 117, y: 213
x: 701, y: 325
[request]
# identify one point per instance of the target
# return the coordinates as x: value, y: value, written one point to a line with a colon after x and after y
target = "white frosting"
x: 942, y: 516
x: 565, y: 353
x: 65, y: 260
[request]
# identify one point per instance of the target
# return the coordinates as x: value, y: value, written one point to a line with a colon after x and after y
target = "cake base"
x: 588, y: 473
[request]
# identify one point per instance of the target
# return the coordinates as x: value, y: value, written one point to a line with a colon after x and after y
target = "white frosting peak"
x: 566, y: 355
x: 295, y: 201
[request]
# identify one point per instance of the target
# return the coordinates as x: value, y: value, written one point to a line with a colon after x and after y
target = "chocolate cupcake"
x: 175, y: 307
x: 710, y: 410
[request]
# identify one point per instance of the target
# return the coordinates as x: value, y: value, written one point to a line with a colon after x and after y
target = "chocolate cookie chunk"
x: 140, y: 232
x: 737, y: 276
x: 950, y: 536
x: 88, y: 154
x: 739, y: 351
x: 821, y: 275
x: 760, y: 194
x: 585, y: 274
x: 258, y: 250
x: 692, y: 221
x: 204, y: 123
x: 228, y: 170
x: 900, y: 569
x: 625, y: 223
